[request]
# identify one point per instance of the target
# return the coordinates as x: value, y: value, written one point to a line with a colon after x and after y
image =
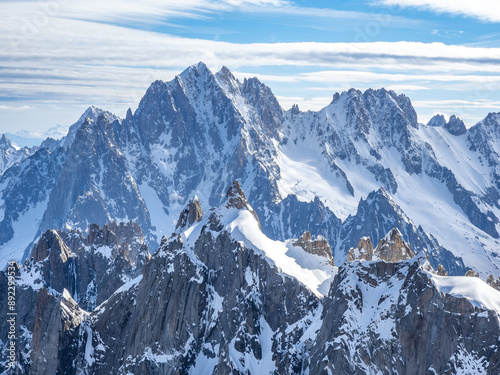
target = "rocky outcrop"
x: 318, y: 246
x: 190, y: 215
x: 437, y: 121
x: 391, y: 249
x: 471, y: 273
x: 491, y: 282
x: 364, y: 250
x: 235, y: 198
x: 454, y: 125
x: 441, y: 271
x: 366, y: 222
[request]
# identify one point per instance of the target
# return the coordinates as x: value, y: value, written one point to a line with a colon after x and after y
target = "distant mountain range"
x: 31, y: 138
x: 211, y: 231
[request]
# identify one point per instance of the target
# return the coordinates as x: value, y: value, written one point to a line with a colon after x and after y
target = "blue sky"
x: 57, y: 57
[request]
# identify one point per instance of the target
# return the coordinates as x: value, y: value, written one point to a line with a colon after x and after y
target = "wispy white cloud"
x: 69, y: 58
x: 129, y: 11
x: 484, y: 10
x: 446, y: 104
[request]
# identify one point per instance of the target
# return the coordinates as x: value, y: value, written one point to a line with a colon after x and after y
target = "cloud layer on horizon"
x: 68, y: 60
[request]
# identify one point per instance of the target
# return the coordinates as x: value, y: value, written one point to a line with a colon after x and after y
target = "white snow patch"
x: 474, y: 289
x: 246, y: 362
x: 25, y: 229
x: 204, y: 364
x: 164, y: 223
x: 128, y: 285
x: 312, y: 272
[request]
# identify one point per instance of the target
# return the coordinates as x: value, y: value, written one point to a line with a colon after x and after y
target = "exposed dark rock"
x: 455, y: 126
x: 56, y: 318
x: 191, y: 214
x: 419, y: 330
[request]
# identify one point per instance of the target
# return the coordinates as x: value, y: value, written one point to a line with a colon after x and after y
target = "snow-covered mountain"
x: 360, y: 166
x: 10, y: 154
x: 31, y: 138
x: 221, y: 297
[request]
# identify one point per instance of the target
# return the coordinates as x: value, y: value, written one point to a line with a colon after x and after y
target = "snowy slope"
x: 313, y: 271
x: 473, y: 289
x: 363, y: 146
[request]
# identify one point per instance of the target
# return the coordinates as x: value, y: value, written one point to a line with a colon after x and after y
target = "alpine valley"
x: 213, y: 232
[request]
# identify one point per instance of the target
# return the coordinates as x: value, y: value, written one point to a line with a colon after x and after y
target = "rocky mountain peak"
x: 196, y: 69
x: 392, y: 248
x: 295, y: 110
x: 90, y: 116
x: 52, y: 246
x: 190, y: 214
x: 236, y: 197
x: 129, y: 115
x: 437, y: 121
x: 383, y: 110
x: 5, y: 143
x: 225, y: 75
x: 455, y: 126
x: 318, y: 246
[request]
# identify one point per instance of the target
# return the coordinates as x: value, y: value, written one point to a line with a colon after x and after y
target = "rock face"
x: 90, y: 268
x: 318, y: 246
x: 11, y: 155
x: 455, y: 126
x: 67, y: 276
x: 471, y: 273
x: 368, y: 329
x: 441, y: 271
x: 56, y: 320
